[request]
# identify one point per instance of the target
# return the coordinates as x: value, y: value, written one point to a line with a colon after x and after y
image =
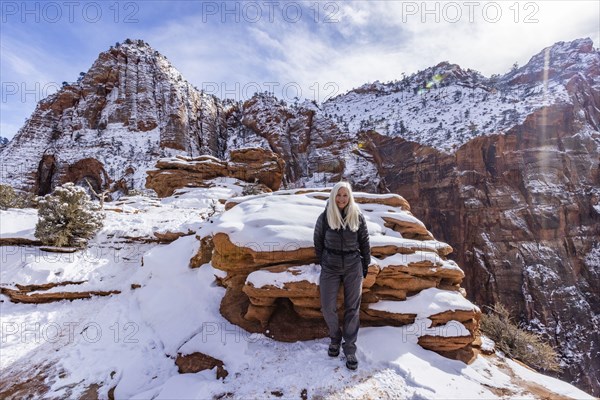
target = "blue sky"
x: 311, y: 49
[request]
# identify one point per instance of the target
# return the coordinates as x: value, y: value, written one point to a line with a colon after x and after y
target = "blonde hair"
x: 334, y: 216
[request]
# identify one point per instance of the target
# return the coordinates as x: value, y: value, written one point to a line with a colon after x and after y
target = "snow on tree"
x: 9, y: 198
x: 67, y: 217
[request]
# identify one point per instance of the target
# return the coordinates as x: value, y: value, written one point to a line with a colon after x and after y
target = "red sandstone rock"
x: 251, y: 165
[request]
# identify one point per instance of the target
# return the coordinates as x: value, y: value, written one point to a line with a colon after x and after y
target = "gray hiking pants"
x: 329, y: 284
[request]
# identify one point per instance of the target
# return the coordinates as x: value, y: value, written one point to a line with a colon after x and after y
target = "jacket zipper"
x: 342, y: 242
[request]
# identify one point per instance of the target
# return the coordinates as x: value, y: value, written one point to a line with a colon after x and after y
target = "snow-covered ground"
x: 129, y: 341
x: 18, y: 223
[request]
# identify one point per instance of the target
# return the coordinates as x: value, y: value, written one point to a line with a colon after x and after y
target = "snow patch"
x: 426, y: 303
x: 261, y: 278
x: 18, y: 223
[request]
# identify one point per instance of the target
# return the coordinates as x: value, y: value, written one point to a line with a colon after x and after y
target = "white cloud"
x: 351, y: 13
x: 263, y: 39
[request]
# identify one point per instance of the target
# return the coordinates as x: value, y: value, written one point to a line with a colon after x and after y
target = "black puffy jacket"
x: 330, y: 244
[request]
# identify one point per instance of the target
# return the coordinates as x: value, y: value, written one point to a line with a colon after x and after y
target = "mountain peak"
x: 445, y: 73
x: 562, y: 54
x: 562, y: 60
x: 130, y: 49
x: 131, y: 106
x: 135, y: 47
x: 581, y: 45
x: 138, y: 43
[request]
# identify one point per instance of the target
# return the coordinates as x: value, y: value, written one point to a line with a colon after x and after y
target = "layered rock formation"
x: 250, y: 165
x: 269, y: 259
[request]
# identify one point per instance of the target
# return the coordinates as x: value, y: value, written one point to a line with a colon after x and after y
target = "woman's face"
x: 342, y: 197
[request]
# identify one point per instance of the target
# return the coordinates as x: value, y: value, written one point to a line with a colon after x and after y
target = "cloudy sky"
x: 310, y: 49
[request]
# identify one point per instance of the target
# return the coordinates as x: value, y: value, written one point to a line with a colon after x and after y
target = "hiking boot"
x: 334, y: 350
x: 351, y: 362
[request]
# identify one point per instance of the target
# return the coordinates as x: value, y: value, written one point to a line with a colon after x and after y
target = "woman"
x: 342, y: 246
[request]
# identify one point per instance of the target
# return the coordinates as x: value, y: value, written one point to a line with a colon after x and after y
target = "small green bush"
x: 67, y: 217
x: 253, y: 188
x: 11, y: 199
x: 516, y: 342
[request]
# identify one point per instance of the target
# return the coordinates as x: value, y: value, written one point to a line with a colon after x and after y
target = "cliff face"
x: 522, y: 212
x: 315, y: 149
x: 533, y: 233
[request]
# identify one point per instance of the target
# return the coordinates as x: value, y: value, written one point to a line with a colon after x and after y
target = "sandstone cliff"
x: 316, y: 150
x: 521, y: 211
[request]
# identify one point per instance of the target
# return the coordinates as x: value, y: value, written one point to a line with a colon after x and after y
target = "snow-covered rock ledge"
x: 264, y: 245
